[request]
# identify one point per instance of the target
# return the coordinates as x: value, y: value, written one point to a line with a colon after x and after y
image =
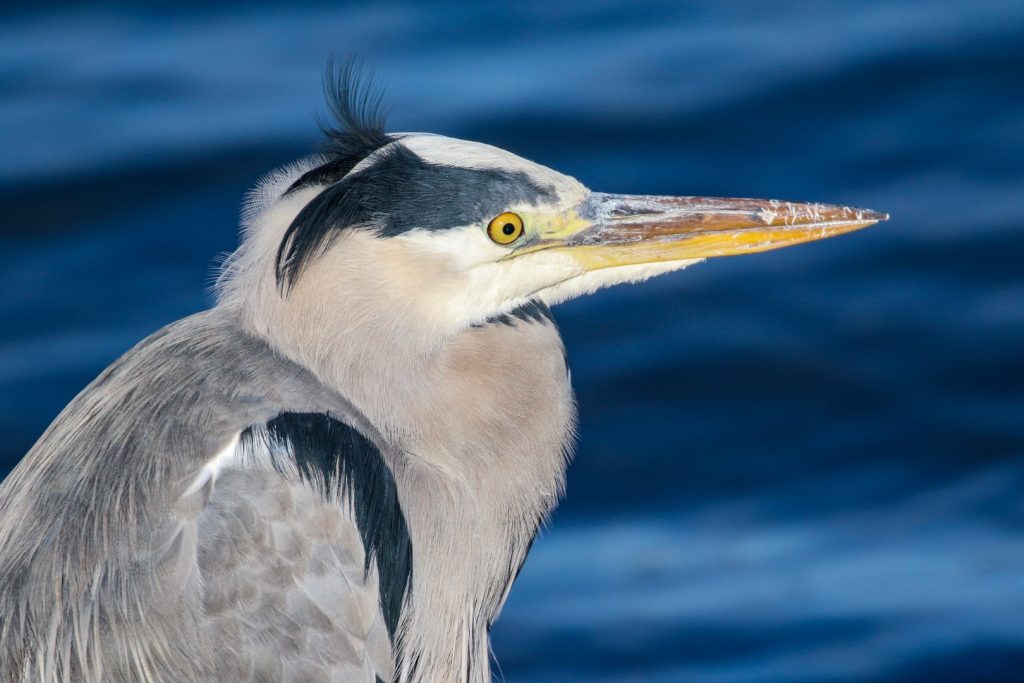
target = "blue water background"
x: 804, y: 465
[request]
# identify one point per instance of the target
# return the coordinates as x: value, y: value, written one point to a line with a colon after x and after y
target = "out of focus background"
x: 804, y: 465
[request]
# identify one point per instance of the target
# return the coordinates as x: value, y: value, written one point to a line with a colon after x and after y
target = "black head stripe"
x: 399, y: 191
x: 405, y: 192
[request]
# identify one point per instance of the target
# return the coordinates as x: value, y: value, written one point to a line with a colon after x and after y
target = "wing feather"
x: 134, y: 548
x: 282, y: 569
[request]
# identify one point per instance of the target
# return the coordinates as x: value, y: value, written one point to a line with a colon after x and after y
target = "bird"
x: 335, y: 473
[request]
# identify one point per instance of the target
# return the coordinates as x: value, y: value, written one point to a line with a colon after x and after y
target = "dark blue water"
x: 805, y: 465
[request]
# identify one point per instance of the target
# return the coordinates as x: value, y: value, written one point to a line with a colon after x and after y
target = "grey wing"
x: 285, y: 595
x: 131, y: 549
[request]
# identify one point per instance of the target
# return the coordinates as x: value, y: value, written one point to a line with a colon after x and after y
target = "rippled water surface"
x: 803, y: 465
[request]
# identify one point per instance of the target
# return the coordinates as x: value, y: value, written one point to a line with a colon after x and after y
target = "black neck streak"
x: 534, y: 310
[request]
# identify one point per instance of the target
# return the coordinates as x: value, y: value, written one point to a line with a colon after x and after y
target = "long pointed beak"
x: 610, y: 230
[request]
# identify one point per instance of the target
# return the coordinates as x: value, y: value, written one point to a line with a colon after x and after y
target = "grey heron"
x: 336, y: 472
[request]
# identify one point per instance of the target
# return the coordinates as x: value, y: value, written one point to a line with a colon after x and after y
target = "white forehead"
x: 438, y: 149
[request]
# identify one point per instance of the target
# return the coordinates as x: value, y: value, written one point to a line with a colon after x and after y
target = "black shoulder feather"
x: 331, y: 455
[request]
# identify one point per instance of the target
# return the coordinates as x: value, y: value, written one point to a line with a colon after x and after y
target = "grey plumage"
x: 336, y: 473
x: 109, y: 572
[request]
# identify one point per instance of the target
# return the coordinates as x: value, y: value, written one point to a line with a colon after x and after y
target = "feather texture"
x: 109, y: 565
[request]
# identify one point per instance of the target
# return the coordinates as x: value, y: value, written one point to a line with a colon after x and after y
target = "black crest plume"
x: 355, y: 131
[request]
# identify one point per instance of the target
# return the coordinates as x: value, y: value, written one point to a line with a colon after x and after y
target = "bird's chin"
x: 593, y: 280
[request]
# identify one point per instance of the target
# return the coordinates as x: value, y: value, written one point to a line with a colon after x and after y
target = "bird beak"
x: 609, y: 230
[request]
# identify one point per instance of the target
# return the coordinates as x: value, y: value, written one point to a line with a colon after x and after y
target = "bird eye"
x: 506, y: 228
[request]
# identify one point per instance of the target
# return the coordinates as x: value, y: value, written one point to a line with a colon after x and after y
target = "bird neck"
x: 479, y: 430
x: 487, y: 431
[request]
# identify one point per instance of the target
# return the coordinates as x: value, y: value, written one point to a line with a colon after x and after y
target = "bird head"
x: 423, y: 236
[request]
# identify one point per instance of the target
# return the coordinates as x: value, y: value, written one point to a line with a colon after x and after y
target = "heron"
x: 336, y: 472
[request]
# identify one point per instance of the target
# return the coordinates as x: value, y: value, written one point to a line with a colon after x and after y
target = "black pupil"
x: 508, y: 228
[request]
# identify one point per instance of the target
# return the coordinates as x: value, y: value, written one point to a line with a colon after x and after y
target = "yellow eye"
x: 505, y: 228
